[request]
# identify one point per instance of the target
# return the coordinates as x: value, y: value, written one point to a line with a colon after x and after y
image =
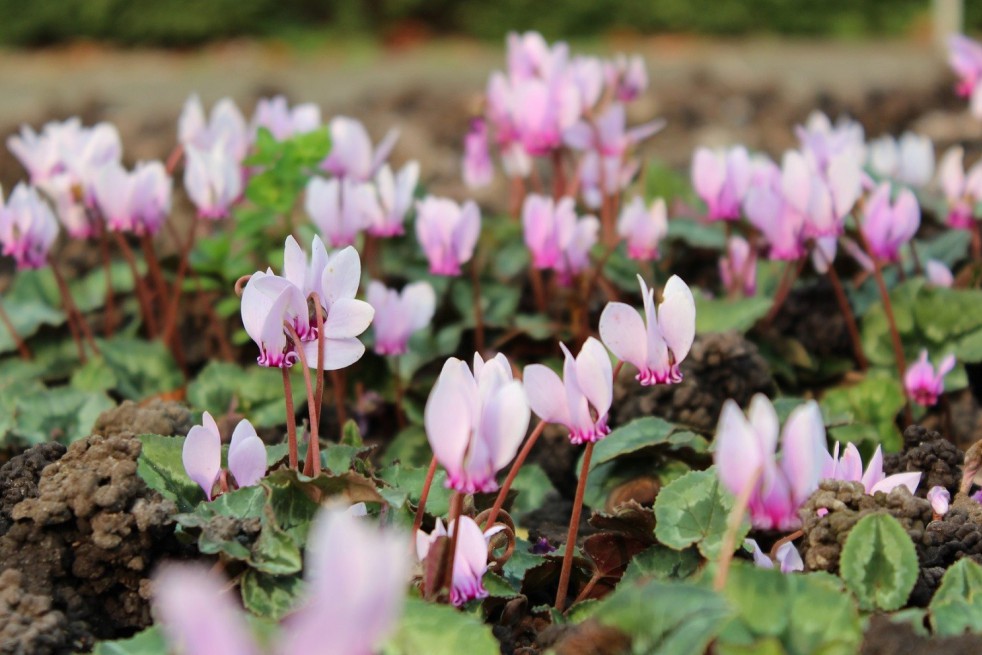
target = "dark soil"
x: 884, y: 637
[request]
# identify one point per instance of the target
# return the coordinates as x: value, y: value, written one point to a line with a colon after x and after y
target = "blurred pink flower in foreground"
x: 721, y: 178
x: 470, y: 561
x: 962, y: 189
x: 475, y: 421
x: 738, y: 267
x: 628, y: 77
x: 746, y: 453
x: 202, y: 455
x: 938, y: 274
x: 27, y: 228
x: 923, y: 383
x: 888, y: 227
x: 356, y: 579
x: 399, y: 315
x: 849, y: 467
x: 581, y: 399
x: 787, y: 556
x: 643, y: 228
x: 908, y: 160
x: 213, y: 180
x: 657, y: 344
x: 447, y: 232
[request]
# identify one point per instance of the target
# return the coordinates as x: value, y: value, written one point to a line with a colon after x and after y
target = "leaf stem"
x: 574, y: 526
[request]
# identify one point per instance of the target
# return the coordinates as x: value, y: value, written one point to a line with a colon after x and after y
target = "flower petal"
x: 623, y: 331
x: 202, y: 457
x: 546, y: 394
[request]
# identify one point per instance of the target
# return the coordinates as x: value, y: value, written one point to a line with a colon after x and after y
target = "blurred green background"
x: 190, y: 22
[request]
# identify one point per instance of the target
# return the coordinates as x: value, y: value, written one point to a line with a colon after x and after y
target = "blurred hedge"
x: 182, y: 22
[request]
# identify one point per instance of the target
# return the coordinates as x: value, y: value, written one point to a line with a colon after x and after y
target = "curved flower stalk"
x: 965, y: 58
x: 213, y: 179
x: 202, y: 456
x: 923, y: 383
x: 962, y: 189
x: 938, y: 274
x: 28, y: 229
x: 738, y: 267
x: 658, y: 344
x: 478, y: 169
x: 355, y: 585
x: 340, y: 208
x: 787, y: 557
x: 351, y: 153
x: 470, y: 561
x: 643, y: 228
x: 395, y: 199
x: 475, y: 421
x: 888, y: 226
x: 746, y: 453
x: 224, y: 129
x: 721, y: 178
x: 581, y: 399
x: 282, y: 121
x: 399, y: 314
x: 908, y: 160
x: 849, y: 468
x: 447, y: 232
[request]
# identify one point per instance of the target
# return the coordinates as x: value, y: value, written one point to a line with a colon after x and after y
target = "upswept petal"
x: 677, y: 317
x: 348, y: 318
x: 202, y: 457
x: 341, y: 276
x: 505, y: 421
x: 891, y: 482
x: 623, y: 331
x: 447, y: 417
x: 546, y: 394
x: 338, y: 353
x: 594, y: 375
x: 802, y: 448
x: 247, y: 460
x: 738, y: 455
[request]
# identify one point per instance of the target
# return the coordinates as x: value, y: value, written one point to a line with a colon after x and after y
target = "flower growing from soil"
x: 475, y: 421
x: 659, y: 343
x: 923, y: 383
x: 355, y: 585
x: 581, y: 399
x: 447, y: 232
x: 849, y: 467
x: 721, y: 178
x: 643, y: 228
x: 202, y: 455
x: 746, y: 454
x: 557, y: 239
x: 787, y: 556
x: 399, y: 314
x: 470, y: 561
x: 738, y: 268
x: 28, y: 229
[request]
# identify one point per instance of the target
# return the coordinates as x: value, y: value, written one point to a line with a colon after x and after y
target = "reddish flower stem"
x: 291, y: 420
x: 791, y: 269
x: 783, y: 540
x: 25, y: 352
x: 170, y: 317
x: 142, y: 293
x: 456, y: 508
x: 424, y: 494
x: 312, y: 463
x: 81, y: 329
x: 733, y: 525
x: 174, y: 158
x: 898, y: 348
x: 617, y: 369
x: 538, y: 289
x: 850, y: 318
x: 319, y: 321
x: 109, y: 321
x: 478, y: 314
x: 153, y: 267
x: 513, y: 473
x: 574, y: 526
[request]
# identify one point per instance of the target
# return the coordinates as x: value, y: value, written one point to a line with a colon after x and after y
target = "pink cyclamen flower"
x: 213, y: 180
x: 627, y: 76
x: 821, y: 141
x: 28, y: 229
x: 965, y: 57
x: 939, y: 499
x: 340, y: 208
x: 399, y: 315
x: 962, y: 189
x: 643, y: 228
x: 470, y: 561
x: 269, y: 301
x: 581, y: 399
x: 908, y: 160
x: 395, y: 198
x: 770, y: 209
x: 738, y: 267
x: 356, y: 579
x: 477, y: 166
x: 543, y: 109
x: 202, y: 455
x: 225, y: 129
x: 351, y: 153
x: 283, y: 122
x: 887, y: 227
x: 721, y: 178
x: 74, y: 216
x: 546, y: 225
x: 849, y: 467
x: 658, y: 344
x: 746, y: 453
x: 447, y: 232
x: 787, y: 556
x: 136, y: 201
x: 925, y: 385
x: 938, y: 274
x: 475, y: 421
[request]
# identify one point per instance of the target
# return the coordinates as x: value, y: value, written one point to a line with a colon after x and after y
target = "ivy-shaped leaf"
x: 956, y: 607
x: 161, y: 466
x: 433, y: 629
x: 879, y: 562
x: 270, y: 596
x: 694, y: 509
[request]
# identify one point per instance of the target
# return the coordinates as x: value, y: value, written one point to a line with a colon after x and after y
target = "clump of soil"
x: 156, y: 417
x: 938, y: 460
x: 81, y: 547
x: 811, y: 316
x: 720, y: 365
x: 886, y: 637
x: 19, y: 477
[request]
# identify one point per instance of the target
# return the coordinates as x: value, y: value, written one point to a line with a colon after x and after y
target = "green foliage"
x: 662, y: 563
x: 434, y: 629
x: 664, y: 617
x: 870, y: 408
x: 879, y: 563
x: 256, y: 392
x: 796, y: 614
x: 532, y: 485
x: 161, y: 466
x: 148, y: 642
x: 140, y: 368
x: 722, y: 314
x: 270, y: 596
x: 694, y: 509
x: 956, y: 607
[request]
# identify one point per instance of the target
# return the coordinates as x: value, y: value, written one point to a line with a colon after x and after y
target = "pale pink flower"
x: 547, y: 226
x: 923, y: 383
x: 530, y: 56
x: 940, y: 500
x: 962, y: 189
x: 657, y: 344
x: 340, y: 208
x: 475, y: 421
x: 28, y: 229
x: 225, y: 129
x: 721, y: 178
x: 771, y: 210
x: 74, y: 216
x: 787, y: 556
x: 588, y: 75
x: 269, y: 301
x: 738, y: 267
x: 746, y: 453
x: 628, y: 77
x: 136, y: 201
x: 965, y: 57
x: 887, y: 227
x: 643, y: 228
x: 543, y: 110
x: 399, y: 315
x: 821, y: 141
x: 395, y: 199
x: 849, y: 468
x: 580, y: 400
x: 470, y: 561
x: 938, y: 274
x: 447, y: 232
x: 352, y: 155
x: 282, y: 121
x: 213, y: 180
x: 202, y: 455
x: 477, y: 166
x: 908, y: 160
